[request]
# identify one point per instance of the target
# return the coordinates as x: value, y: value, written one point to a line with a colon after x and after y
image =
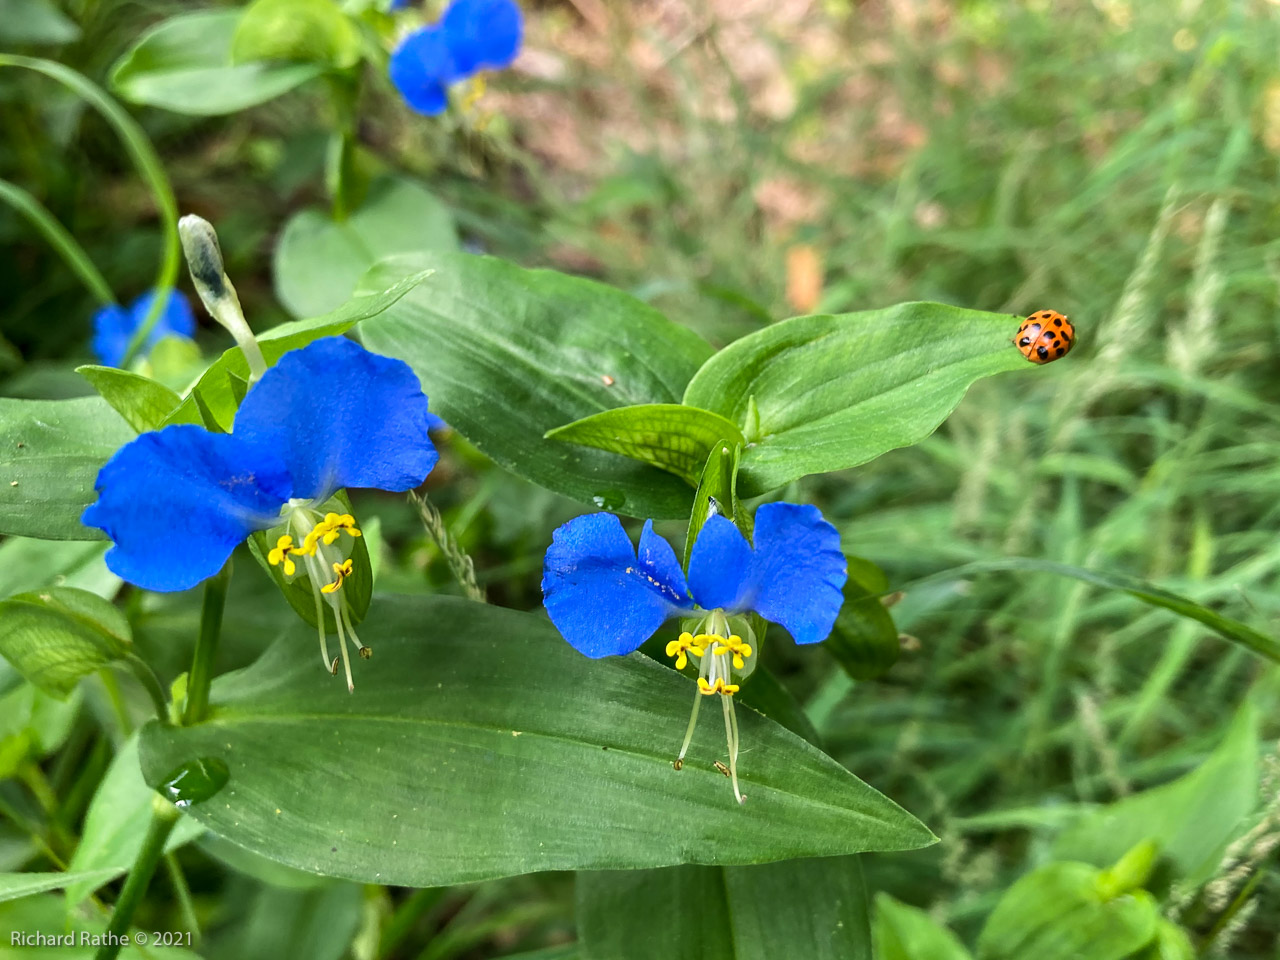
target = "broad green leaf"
x: 15, y: 885
x: 568, y: 951
x: 47, y: 914
x: 116, y: 824
x: 833, y: 392
x: 184, y: 64
x: 864, y: 640
x: 33, y: 724
x: 1057, y: 913
x: 258, y: 867
x: 506, y: 354
x: 50, y: 454
x: 479, y: 744
x: 1191, y: 819
x: 27, y: 564
x: 57, y: 635
x: 1225, y: 627
x: 669, y: 436
x: 816, y: 909
x: 309, y: 31
x: 318, y: 262
x: 144, y: 403
x: 908, y: 933
x: 1171, y: 943
x: 34, y: 22
x: 217, y: 388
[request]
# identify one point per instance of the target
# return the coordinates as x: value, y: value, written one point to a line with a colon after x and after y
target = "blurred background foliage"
x: 735, y: 162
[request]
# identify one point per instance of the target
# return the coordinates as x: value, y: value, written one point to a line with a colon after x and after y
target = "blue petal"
x: 798, y: 570
x: 398, y: 4
x: 601, y: 598
x: 340, y: 416
x: 112, y: 327
x: 177, y: 502
x: 482, y: 33
x: 719, y: 565
x: 176, y: 317
x: 422, y: 68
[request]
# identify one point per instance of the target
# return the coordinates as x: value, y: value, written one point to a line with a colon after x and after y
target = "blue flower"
x: 472, y: 36
x: 606, y: 598
x: 177, y: 501
x: 114, y: 325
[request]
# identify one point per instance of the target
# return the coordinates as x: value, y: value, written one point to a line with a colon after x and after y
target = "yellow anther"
x: 333, y: 524
x: 735, y: 645
x: 687, y: 643
x: 280, y: 554
x: 705, y: 687
x: 341, y: 571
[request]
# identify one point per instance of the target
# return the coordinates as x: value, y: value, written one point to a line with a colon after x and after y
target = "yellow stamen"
x: 334, y: 523
x: 687, y: 643
x: 735, y: 645
x: 719, y: 686
x: 341, y: 571
x: 280, y: 554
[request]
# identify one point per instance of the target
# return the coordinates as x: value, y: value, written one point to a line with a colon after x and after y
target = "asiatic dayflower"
x: 114, y: 325
x: 473, y: 35
x: 331, y: 415
x: 607, y: 599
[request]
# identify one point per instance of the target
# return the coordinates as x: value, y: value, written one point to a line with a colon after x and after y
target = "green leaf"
x: 507, y: 354
x: 1057, y: 913
x: 217, y: 388
x: 184, y: 64
x: 864, y: 640
x: 50, y: 454
x: 1225, y: 627
x: 142, y: 402
x: 815, y: 909
x: 833, y: 392
x: 479, y: 744
x: 317, y: 924
x: 318, y: 262
x: 309, y: 31
x: 55, y: 636
x: 116, y: 823
x: 35, y: 22
x: 1171, y: 943
x: 16, y: 885
x: 1191, y: 819
x: 717, y: 493
x: 907, y: 933
x: 27, y: 564
x: 668, y: 436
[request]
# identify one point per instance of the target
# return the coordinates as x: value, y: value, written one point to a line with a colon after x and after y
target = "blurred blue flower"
x: 114, y: 325
x: 398, y: 4
x: 473, y: 35
x: 607, y: 598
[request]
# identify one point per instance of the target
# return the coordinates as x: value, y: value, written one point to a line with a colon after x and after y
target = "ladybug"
x: 1045, y: 336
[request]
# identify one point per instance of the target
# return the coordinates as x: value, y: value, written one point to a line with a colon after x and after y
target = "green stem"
x: 59, y: 238
x: 163, y: 817
x: 147, y: 677
x: 148, y: 164
x: 201, y: 675
x: 182, y: 889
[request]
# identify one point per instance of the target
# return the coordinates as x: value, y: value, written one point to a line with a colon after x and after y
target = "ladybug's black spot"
x: 1024, y: 342
x: 1057, y: 322
x: 1050, y: 335
x: 1043, y: 352
x: 1046, y: 315
x: 1061, y: 351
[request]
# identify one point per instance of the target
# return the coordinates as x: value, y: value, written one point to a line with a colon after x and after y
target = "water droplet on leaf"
x: 609, y: 499
x: 195, y: 781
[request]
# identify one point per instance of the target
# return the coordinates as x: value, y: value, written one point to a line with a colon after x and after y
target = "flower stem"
x: 201, y: 675
x: 163, y: 817
x: 147, y: 677
x: 464, y: 570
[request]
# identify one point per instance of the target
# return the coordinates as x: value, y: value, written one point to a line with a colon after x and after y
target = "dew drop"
x: 194, y: 781
x: 609, y: 499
